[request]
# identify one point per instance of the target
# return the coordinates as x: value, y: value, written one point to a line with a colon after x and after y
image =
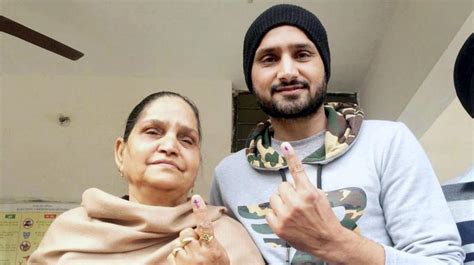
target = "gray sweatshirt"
x: 381, y: 185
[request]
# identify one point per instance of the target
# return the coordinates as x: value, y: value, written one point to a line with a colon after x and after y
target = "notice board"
x: 23, y: 225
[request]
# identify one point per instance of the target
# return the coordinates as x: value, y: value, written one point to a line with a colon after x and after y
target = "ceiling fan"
x: 16, y: 29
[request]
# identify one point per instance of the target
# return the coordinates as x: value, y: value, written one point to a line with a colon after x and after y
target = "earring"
x: 190, y: 192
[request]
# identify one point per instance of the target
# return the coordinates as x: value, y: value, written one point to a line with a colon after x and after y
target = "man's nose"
x: 288, y: 69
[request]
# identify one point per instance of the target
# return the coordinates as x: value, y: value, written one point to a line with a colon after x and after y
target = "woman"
x: 159, y: 156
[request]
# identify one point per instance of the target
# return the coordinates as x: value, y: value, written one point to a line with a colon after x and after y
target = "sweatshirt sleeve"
x: 417, y: 216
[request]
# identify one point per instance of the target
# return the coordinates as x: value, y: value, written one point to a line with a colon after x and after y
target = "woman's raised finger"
x: 204, y: 229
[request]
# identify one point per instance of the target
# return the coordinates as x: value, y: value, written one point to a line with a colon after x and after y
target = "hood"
x: 343, y: 123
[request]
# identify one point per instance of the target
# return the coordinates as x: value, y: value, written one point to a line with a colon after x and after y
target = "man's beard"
x: 293, y: 108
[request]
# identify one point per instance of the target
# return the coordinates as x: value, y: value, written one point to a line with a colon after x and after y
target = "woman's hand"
x: 198, y: 246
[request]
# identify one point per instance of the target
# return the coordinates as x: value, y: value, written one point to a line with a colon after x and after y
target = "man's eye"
x: 268, y: 59
x: 303, y: 54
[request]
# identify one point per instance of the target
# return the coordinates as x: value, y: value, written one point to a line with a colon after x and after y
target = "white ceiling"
x: 180, y: 39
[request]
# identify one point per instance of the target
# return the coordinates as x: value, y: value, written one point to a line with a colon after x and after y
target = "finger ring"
x: 186, y: 240
x: 175, y: 251
x: 206, y: 238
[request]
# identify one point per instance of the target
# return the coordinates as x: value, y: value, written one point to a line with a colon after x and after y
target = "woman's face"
x: 162, y: 153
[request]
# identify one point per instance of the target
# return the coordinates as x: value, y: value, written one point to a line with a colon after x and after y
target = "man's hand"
x: 302, y: 215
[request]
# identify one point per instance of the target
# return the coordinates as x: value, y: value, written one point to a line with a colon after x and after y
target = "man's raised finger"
x: 295, y: 166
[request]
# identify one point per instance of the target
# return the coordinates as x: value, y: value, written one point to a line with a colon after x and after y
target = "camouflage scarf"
x: 343, y: 123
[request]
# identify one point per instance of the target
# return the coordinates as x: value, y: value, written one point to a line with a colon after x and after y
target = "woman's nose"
x: 168, y: 144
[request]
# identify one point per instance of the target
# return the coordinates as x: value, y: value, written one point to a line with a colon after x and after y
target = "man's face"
x: 288, y: 74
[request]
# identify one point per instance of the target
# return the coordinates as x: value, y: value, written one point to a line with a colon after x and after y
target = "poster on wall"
x: 22, y: 226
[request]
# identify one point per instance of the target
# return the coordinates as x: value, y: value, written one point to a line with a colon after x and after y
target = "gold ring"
x: 206, y: 238
x: 186, y: 240
x: 175, y: 251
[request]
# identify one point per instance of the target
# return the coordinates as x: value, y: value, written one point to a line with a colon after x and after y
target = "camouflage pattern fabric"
x: 354, y: 201
x: 343, y: 124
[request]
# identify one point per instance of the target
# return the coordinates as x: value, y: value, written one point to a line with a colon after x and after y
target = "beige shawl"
x: 107, y: 229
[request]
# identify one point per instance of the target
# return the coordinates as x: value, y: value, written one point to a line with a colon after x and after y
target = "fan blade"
x: 13, y: 28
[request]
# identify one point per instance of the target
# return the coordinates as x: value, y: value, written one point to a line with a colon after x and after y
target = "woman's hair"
x: 138, y: 109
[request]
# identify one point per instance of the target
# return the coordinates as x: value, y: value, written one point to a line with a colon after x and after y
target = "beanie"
x: 464, y: 75
x: 284, y: 14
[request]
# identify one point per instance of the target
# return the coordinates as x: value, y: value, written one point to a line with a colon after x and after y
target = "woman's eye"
x: 152, y: 131
x: 187, y: 140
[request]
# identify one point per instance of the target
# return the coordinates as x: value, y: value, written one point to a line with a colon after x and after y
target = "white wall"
x: 437, y: 90
x: 436, y: 116
x: 418, y: 34
x: 43, y: 160
x: 449, y: 142
x: 2, y: 85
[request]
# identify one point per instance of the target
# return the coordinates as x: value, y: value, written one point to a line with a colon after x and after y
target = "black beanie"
x: 464, y: 75
x: 279, y: 15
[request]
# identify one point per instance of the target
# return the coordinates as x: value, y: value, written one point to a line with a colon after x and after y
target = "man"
x: 364, y: 192
x: 460, y: 191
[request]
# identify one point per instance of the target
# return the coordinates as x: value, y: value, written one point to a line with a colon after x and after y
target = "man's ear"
x: 119, y: 151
